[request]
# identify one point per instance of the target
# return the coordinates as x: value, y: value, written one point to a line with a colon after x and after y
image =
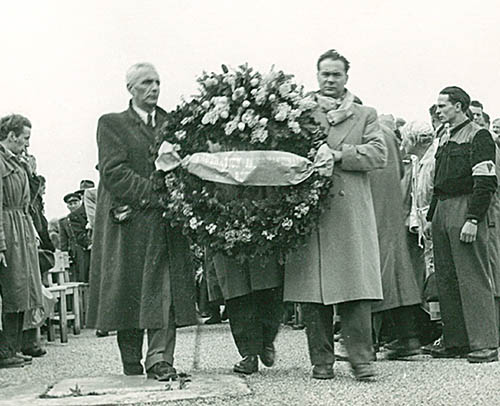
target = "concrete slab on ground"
x: 125, y: 390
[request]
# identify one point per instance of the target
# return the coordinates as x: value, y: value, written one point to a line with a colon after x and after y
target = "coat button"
x: 144, y: 202
x: 341, y: 193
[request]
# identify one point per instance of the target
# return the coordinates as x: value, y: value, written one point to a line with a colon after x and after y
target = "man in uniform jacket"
x: 141, y: 273
x: 340, y: 264
x: 66, y: 236
x: 464, y: 184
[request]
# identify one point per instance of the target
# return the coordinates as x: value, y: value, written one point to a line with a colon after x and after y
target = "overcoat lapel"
x: 339, y: 132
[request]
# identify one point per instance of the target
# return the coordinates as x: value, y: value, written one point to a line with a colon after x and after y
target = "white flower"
x: 287, y: 224
x: 269, y: 236
x: 285, y: 89
x: 205, y: 104
x: 241, y: 126
x: 272, y: 97
x: 224, y: 114
x: 211, y: 228
x: 180, y: 135
x: 263, y: 121
x: 210, y: 117
x: 194, y: 223
x: 260, y: 134
x: 294, y: 126
x: 239, y: 93
x: 254, y: 82
x: 245, y: 104
x: 282, y: 111
x: 186, y: 120
x: 230, y: 127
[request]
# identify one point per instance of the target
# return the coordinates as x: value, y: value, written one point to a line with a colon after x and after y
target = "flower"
x: 180, y: 135
x: 287, y: 224
x: 194, y: 223
x: 260, y: 134
x: 239, y: 93
x: 294, y: 126
x: 272, y: 97
x: 245, y: 104
x: 224, y: 114
x: 205, y: 104
x: 230, y: 127
x: 211, y: 228
x: 254, y: 82
x: 269, y: 236
x: 282, y: 111
x: 285, y: 89
x: 241, y: 126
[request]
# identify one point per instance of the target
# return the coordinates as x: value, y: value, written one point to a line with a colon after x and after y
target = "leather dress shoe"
x: 215, y: 319
x: 268, y: 355
x: 403, y: 349
x: 34, y: 352
x: 248, y: 365
x: 27, y: 359
x: 162, y: 371
x: 11, y: 362
x: 484, y: 355
x: 131, y: 369
x: 363, y: 372
x: 101, y: 333
x: 451, y: 352
x: 324, y: 371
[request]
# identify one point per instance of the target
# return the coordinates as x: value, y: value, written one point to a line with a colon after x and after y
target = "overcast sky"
x: 63, y: 62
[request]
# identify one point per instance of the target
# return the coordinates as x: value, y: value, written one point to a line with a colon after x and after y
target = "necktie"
x: 150, y: 121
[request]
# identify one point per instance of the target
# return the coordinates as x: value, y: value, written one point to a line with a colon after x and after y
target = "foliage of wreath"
x: 242, y: 109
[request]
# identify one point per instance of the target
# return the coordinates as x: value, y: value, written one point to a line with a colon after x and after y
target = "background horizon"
x: 64, y: 63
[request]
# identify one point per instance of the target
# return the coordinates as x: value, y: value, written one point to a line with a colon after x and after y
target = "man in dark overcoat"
x: 141, y: 274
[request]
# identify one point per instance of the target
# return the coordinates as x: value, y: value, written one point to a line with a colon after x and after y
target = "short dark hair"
x: 433, y: 110
x: 13, y: 122
x: 475, y: 103
x: 333, y: 54
x: 457, y: 95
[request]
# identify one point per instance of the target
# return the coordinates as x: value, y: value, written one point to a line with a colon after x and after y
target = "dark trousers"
x: 356, y: 318
x: 463, y: 279
x: 255, y: 319
x: 6, y: 350
x: 161, y: 344
x: 13, y: 330
x: 30, y: 339
x: 398, y: 323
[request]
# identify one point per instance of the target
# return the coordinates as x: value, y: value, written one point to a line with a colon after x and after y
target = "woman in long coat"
x: 20, y: 283
x: 340, y: 263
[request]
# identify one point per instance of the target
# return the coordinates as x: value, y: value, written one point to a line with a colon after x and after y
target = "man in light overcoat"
x: 340, y: 264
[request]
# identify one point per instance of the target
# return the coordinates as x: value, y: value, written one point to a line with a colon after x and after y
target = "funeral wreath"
x: 243, y: 110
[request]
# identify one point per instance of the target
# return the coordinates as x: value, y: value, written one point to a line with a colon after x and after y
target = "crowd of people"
x: 412, y: 226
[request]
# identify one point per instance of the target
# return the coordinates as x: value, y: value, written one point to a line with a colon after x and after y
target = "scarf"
x: 336, y: 110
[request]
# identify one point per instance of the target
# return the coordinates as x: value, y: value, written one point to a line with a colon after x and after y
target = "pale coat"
x: 340, y: 262
x: 20, y: 282
x: 399, y: 283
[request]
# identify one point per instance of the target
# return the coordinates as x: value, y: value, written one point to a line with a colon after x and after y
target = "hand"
x: 468, y: 233
x: 3, y: 260
x: 337, y: 155
x: 428, y: 230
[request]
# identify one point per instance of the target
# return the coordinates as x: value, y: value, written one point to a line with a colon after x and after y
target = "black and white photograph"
x: 230, y: 202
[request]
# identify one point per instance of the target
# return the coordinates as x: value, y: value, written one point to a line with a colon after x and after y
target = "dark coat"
x: 399, y: 284
x: 139, y: 267
x: 340, y: 262
x: 236, y: 279
x: 20, y: 283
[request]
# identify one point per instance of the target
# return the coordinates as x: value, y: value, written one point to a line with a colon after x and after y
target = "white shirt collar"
x: 144, y: 114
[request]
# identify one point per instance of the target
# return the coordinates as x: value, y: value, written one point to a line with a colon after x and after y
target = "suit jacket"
x: 139, y: 267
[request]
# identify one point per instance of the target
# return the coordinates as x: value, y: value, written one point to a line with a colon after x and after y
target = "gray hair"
x: 133, y: 72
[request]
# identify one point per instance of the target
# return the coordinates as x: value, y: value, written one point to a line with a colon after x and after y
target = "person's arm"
x: 78, y: 223
x: 117, y: 176
x: 371, y: 153
x: 483, y: 175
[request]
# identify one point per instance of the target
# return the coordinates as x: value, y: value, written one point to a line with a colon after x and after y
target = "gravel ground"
x: 419, y: 381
